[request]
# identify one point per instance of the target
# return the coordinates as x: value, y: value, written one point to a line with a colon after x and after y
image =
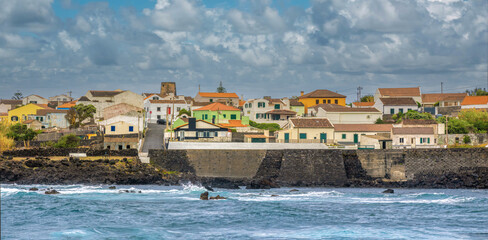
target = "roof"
x: 363, y: 104
x: 67, y: 105
x: 30, y: 121
x: 3, y: 114
x: 400, y: 92
x: 104, y: 93
x: 378, y: 137
x: 398, y: 101
x: 188, y: 99
x: 438, y: 97
x: 217, y: 107
x: 363, y: 127
x: 45, y: 106
x: 275, y: 100
x: 311, y: 122
x: 233, y: 123
x: 84, y: 99
x: 281, y: 112
x: 43, y: 112
x: 475, y: 100
x: 295, y: 103
x: 418, y: 121
x: 11, y: 101
x: 150, y: 95
x: 200, y: 104
x: 322, y: 93
x: 168, y: 101
x: 218, y: 95
x: 339, y: 108
x: 241, y: 103
x: 413, y: 130
x: 35, y: 95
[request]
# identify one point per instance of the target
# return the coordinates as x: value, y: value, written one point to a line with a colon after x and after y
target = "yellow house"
x: 3, y: 117
x: 321, y: 96
x: 306, y: 130
x: 20, y: 114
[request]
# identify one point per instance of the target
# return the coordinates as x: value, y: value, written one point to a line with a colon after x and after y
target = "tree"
x: 68, y: 141
x: 184, y: 111
x: 367, y: 98
x: 477, y: 118
x: 221, y: 89
x: 20, y: 132
x: 80, y: 113
x: 379, y: 121
x: 18, y: 95
x: 477, y: 92
x: 416, y: 115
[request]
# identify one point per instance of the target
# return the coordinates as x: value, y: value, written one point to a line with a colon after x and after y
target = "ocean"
x: 176, y: 212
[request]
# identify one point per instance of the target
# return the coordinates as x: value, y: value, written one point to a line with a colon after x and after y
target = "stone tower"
x: 168, y: 89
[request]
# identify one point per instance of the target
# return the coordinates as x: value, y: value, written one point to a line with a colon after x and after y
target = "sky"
x: 256, y: 48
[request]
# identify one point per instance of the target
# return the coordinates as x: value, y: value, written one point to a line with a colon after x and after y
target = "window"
x: 14, y: 118
x: 303, y: 135
x: 158, y: 116
x: 108, y: 147
x: 155, y: 98
x: 131, y: 128
x: 250, y: 105
x: 178, y: 109
x: 245, y: 105
x: 120, y: 147
x: 277, y: 106
x: 400, y: 110
x: 127, y: 147
x: 409, y: 109
x: 35, y: 102
x: 205, y: 116
x: 211, y: 100
x: 257, y: 115
x: 402, y: 140
x: 112, y: 128
x: 158, y: 109
x: 324, y: 101
x: 64, y: 99
x: 233, y: 116
x: 316, y: 101
x: 328, y: 101
x: 261, y: 104
x: 392, y: 111
x: 428, y: 140
x: 216, y: 134
x: 343, y: 136
x: 336, y: 101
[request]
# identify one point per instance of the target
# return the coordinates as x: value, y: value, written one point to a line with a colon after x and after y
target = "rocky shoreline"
x: 41, y: 170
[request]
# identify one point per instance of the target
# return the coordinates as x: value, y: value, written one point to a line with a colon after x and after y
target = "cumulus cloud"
x: 333, y: 44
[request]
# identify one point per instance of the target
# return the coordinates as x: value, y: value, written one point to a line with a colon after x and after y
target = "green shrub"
x: 68, y: 141
x: 466, y: 139
x: 265, y: 126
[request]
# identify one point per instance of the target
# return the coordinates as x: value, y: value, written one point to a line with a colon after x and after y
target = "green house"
x: 217, y: 113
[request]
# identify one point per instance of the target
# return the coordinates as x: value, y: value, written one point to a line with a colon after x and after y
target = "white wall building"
x: 396, y: 105
x: 164, y: 109
x: 345, y: 115
x: 34, y: 99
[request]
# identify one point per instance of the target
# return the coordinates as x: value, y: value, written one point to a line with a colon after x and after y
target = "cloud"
x: 252, y: 47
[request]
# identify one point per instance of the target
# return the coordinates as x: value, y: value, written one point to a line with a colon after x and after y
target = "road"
x: 154, y: 137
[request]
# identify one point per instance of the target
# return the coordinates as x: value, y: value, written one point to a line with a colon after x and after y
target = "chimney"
x: 301, y: 93
x: 192, y: 123
x: 267, y: 97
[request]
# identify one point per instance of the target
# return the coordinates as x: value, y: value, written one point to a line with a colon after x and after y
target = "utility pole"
x: 359, y: 93
x: 442, y: 88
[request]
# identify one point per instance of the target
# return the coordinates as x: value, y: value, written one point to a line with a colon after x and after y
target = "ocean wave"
x: 449, y: 200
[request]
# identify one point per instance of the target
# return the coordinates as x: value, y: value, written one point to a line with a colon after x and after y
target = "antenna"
x: 359, y: 93
x: 442, y: 89
x: 198, y: 87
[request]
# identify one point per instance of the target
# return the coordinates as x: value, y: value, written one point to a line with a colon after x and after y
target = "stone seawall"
x: 320, y: 167
x: 52, y: 152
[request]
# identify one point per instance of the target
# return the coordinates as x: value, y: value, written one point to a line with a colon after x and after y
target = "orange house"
x: 321, y: 96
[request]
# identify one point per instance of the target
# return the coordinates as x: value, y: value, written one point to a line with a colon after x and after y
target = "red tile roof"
x: 475, y: 100
x: 233, y: 123
x: 363, y: 127
x: 437, y: 97
x: 281, y: 112
x: 339, y: 108
x: 322, y: 93
x: 43, y: 112
x: 398, y: 101
x: 414, y: 130
x: 218, y: 95
x: 67, y: 105
x: 311, y: 123
x: 400, y: 92
x: 168, y: 101
x: 217, y: 107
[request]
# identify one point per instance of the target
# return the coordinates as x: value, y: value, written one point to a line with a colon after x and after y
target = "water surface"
x: 160, y: 212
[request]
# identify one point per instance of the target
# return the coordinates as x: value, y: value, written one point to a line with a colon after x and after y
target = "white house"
x: 475, y: 102
x: 61, y: 98
x: 164, y: 109
x: 268, y: 110
x: 413, y: 137
x: 353, y: 133
x: 413, y: 93
x: 345, y: 115
x: 34, y: 99
x: 396, y: 105
x: 103, y: 99
x: 132, y: 118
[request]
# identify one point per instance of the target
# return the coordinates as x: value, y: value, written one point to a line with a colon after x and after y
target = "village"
x: 394, y: 118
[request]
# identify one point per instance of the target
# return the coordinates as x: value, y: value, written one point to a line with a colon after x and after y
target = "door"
x: 356, y: 138
x: 287, y: 137
x: 323, y: 137
x: 258, y: 140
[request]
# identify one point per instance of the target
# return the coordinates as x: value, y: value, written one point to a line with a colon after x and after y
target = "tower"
x: 168, y: 89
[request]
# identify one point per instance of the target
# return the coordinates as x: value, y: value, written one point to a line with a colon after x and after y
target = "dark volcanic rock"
x: 112, y: 187
x: 208, y: 188
x: 204, y: 196
x: 294, y: 190
x: 262, y: 184
x: 52, y: 191
x: 389, y: 191
x: 33, y: 189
